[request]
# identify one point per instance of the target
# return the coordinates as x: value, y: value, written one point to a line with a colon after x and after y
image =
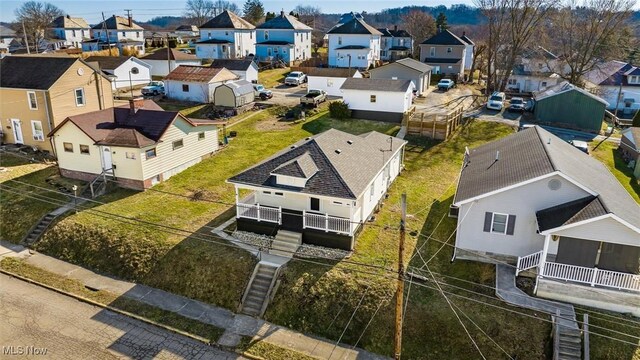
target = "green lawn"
x: 194, y: 266
x: 320, y: 300
x: 608, y: 154
x: 19, y: 213
x: 272, y: 77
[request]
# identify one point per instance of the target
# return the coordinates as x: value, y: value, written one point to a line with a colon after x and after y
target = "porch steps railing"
x: 528, y: 262
x: 98, y: 186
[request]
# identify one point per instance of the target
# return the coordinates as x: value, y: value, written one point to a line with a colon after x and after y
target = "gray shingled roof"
x: 117, y: 23
x: 284, y: 21
x: 227, y: 20
x: 33, y: 72
x: 233, y: 64
x: 410, y: 63
x: 301, y: 167
x: 376, y: 84
x: 355, y: 26
x: 444, y: 37
x: 68, y: 22
x: 535, y: 152
x: 346, y: 163
x: 569, y: 213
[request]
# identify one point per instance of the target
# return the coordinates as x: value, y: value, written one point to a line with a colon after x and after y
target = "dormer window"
x: 295, y: 172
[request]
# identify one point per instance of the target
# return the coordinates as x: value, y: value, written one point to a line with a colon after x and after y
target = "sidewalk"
x: 235, y: 325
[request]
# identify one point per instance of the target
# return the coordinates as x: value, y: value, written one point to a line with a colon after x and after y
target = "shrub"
x: 114, y: 52
x: 339, y: 110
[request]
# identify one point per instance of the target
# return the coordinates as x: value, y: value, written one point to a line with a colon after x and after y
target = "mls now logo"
x: 23, y: 350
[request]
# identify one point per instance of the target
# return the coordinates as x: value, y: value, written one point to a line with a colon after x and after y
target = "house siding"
x: 55, y: 104
x: 570, y: 109
x: 192, y: 151
x: 401, y: 72
x: 161, y: 67
x: 339, y: 58
x: 300, y: 48
x: 525, y: 240
x: 87, y: 163
x: 331, y: 85
x: 143, y: 76
x: 610, y: 94
x: 607, y: 230
x: 457, y: 52
x: 198, y: 92
x: 527, y: 83
x: 386, y: 101
x: 242, y: 44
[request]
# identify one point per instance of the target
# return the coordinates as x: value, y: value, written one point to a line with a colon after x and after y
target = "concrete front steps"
x: 286, y: 243
x: 36, y: 232
x: 256, y: 297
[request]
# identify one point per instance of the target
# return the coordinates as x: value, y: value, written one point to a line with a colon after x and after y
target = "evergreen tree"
x: 441, y: 22
x: 269, y: 16
x: 253, y: 11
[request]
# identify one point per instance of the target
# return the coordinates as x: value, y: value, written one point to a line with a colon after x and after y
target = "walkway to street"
x: 235, y: 325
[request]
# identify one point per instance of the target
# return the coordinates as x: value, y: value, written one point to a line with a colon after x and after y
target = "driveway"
x: 436, y: 100
x: 58, y: 327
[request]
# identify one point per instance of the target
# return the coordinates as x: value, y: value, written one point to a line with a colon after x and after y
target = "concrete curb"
x: 110, y: 308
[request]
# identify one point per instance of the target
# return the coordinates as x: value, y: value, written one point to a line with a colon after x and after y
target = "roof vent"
x: 293, y: 146
x: 350, y: 142
x: 549, y: 141
x: 307, y: 138
x: 497, y: 155
x: 338, y: 151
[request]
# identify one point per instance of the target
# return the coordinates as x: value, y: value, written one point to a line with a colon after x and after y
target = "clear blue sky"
x: 146, y: 9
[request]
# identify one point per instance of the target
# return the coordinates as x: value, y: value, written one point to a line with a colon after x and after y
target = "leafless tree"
x: 512, y: 25
x: 199, y: 11
x: 36, y: 17
x: 588, y: 32
x: 222, y: 5
x: 421, y: 26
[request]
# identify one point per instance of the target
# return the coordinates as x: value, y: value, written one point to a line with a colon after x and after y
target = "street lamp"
x: 75, y: 197
x: 135, y: 71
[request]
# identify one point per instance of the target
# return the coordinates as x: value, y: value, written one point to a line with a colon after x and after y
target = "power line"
x: 126, y: 220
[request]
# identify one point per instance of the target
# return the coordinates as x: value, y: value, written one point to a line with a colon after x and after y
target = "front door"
x: 106, y: 159
x: 17, y: 131
x: 527, y: 85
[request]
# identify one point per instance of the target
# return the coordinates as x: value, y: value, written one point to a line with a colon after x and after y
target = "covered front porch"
x: 606, y: 275
x: 290, y: 218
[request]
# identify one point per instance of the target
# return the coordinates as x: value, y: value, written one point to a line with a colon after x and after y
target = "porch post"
x: 351, y: 219
x: 258, y: 211
x: 237, y: 201
x: 304, y: 219
x: 543, y: 257
x: 326, y: 222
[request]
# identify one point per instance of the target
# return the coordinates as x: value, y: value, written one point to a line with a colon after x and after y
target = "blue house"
x: 283, y: 38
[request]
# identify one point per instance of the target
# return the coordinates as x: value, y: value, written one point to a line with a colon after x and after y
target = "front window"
x: 79, y: 97
x: 84, y: 149
x: 512, y: 81
x: 432, y: 51
x: 499, y: 223
x: 124, y: 34
x: 151, y: 153
x: 73, y: 33
x: 315, y: 204
x: 178, y: 144
x: 68, y: 147
x: 201, y: 135
x: 339, y: 40
x: 37, y: 131
x: 33, y: 101
x: 185, y: 87
x: 372, y: 98
x: 266, y: 35
x: 449, y: 49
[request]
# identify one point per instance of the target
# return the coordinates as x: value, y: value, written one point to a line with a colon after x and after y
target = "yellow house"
x: 38, y: 92
x: 138, y: 145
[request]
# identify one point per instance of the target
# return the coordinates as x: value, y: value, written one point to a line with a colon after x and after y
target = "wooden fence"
x: 437, y: 126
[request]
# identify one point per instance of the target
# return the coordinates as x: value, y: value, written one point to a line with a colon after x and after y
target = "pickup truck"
x: 314, y: 97
x: 446, y: 84
x: 154, y: 88
x: 259, y: 91
x: 295, y: 78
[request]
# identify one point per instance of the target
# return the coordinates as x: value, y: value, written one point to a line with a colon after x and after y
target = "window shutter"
x: 487, y: 221
x: 511, y: 223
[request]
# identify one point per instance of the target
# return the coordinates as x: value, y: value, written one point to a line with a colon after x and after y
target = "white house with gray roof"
x: 378, y: 99
x: 226, y: 36
x: 325, y: 187
x: 353, y: 43
x: 283, y: 38
x: 405, y: 69
x: 536, y: 201
x: 72, y: 30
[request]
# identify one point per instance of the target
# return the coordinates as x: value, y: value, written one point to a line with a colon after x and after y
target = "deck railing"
x: 592, y: 276
x: 259, y: 212
x: 528, y: 262
x: 327, y: 223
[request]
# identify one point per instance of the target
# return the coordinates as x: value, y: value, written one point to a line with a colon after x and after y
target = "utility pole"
x: 106, y: 32
x: 26, y: 42
x: 168, y: 53
x: 400, y: 286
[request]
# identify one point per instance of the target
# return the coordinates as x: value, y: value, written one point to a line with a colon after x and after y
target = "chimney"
x: 395, y: 27
x: 464, y: 33
x: 135, y: 105
x: 282, y: 13
x: 68, y: 16
x: 130, y: 20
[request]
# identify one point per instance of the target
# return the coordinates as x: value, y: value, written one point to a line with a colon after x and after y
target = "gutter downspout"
x: 100, y: 89
x: 49, y: 115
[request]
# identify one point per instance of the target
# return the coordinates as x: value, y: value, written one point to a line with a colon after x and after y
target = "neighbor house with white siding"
x: 226, y: 36
x: 118, y: 32
x: 353, y: 43
x: 330, y: 80
x: 125, y: 72
x: 378, y: 99
x: 246, y: 69
x: 536, y: 201
x: 72, y: 30
x: 323, y: 188
x: 283, y: 38
x: 138, y: 145
x: 196, y: 83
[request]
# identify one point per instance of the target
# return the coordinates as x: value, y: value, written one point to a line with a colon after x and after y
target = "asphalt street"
x: 38, y: 323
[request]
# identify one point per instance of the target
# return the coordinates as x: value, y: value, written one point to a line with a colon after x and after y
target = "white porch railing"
x: 528, y: 262
x: 259, y: 212
x: 326, y: 223
x: 591, y: 276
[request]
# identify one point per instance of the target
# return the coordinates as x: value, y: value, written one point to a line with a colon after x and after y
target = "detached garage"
x: 234, y: 94
x: 569, y: 106
x: 405, y: 69
x: 378, y: 99
x: 330, y: 79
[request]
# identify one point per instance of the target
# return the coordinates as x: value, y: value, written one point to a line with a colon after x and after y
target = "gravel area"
x: 263, y: 242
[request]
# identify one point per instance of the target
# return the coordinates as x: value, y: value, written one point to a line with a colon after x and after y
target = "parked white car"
x: 496, y: 101
x: 295, y: 78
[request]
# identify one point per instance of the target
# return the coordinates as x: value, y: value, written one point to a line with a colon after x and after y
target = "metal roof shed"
x: 234, y: 94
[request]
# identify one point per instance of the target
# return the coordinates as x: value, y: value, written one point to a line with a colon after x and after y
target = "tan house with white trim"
x: 137, y: 146
x: 38, y: 93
